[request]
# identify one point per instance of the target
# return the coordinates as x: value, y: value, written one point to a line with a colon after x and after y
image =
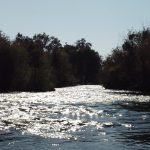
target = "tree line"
x: 128, y: 66
x: 42, y: 63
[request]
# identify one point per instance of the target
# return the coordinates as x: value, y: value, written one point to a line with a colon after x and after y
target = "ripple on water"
x: 82, y: 113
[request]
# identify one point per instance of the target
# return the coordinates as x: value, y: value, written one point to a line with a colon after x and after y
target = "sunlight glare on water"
x: 83, y: 114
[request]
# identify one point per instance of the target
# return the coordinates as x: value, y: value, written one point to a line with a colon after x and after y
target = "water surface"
x: 75, y: 118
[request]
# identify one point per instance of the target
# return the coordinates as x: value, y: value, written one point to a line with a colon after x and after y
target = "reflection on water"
x: 81, y: 117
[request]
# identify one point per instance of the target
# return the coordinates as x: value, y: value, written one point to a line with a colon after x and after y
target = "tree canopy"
x: 41, y: 63
x: 128, y: 66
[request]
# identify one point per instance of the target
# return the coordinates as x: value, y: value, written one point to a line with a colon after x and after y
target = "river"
x: 85, y: 117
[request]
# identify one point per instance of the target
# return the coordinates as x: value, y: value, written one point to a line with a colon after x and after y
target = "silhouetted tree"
x: 21, y: 71
x: 5, y: 63
x: 41, y: 63
x: 128, y: 67
x: 88, y: 63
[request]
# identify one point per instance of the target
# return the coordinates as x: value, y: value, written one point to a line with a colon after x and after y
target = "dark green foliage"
x: 88, y: 63
x: 41, y: 63
x: 21, y: 71
x: 77, y: 64
x: 62, y: 69
x: 5, y: 63
x: 128, y: 67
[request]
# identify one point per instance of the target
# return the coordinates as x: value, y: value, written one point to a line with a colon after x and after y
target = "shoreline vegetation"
x: 128, y: 66
x: 41, y: 63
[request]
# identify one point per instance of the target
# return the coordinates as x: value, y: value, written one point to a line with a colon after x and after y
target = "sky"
x: 104, y: 23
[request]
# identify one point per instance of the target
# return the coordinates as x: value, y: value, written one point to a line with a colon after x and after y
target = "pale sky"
x: 104, y: 23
